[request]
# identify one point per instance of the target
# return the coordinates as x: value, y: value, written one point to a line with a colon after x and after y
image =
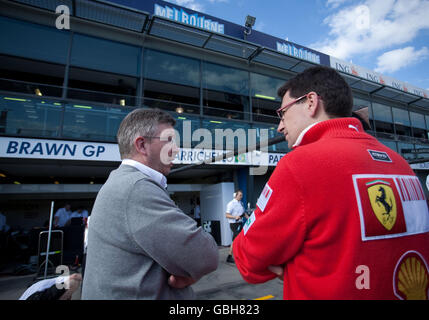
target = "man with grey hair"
x: 140, y: 244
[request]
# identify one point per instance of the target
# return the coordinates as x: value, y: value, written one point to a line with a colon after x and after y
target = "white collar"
x: 302, y: 134
x: 155, y: 175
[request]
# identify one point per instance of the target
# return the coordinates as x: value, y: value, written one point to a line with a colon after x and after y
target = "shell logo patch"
x: 411, y: 277
x: 383, y: 202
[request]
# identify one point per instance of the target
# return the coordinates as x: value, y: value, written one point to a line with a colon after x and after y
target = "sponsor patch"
x: 264, y: 197
x: 379, y: 156
x: 390, y: 206
x: 411, y: 277
x: 249, y: 222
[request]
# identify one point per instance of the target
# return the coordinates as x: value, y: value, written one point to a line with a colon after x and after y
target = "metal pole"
x: 49, y: 240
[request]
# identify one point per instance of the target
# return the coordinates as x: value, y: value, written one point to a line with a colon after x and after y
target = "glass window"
x: 390, y: 144
x: 31, y: 77
x: 171, y: 68
x: 422, y: 154
x: 29, y: 117
x: 281, y: 147
x: 89, y: 85
x: 225, y: 79
x: 224, y: 133
x: 404, y: 149
x: 383, y: 118
x: 33, y: 41
x: 419, y: 125
x: 225, y: 92
x: 402, y: 122
x: 401, y: 117
x: 186, y: 126
x: 172, y: 97
x: 361, y: 102
x: 264, y: 110
x: 418, y: 120
x: 265, y: 100
x: 171, y: 82
x: 100, y: 54
x: 265, y: 87
x: 382, y: 112
x: 89, y: 122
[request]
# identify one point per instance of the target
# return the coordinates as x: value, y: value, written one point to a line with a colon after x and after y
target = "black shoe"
x: 230, y: 259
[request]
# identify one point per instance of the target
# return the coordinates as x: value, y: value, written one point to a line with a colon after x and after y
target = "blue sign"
x: 206, y: 22
x: 183, y: 16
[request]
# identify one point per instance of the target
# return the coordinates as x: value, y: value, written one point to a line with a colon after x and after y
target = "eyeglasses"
x: 281, y: 111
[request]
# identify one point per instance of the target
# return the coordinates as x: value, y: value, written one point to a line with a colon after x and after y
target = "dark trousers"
x: 235, y: 228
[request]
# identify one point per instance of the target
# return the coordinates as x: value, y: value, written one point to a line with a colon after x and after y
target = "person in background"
x: 197, y: 212
x: 63, y: 216
x: 140, y: 244
x: 59, y: 288
x: 342, y: 216
x: 81, y: 213
x: 234, y: 213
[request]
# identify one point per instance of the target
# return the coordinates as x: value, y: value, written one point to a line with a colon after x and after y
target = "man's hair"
x: 140, y: 122
x: 237, y: 191
x: 328, y: 84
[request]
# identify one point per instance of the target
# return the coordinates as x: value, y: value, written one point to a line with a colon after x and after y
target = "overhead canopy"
x: 395, y: 94
x: 98, y: 11
x: 380, y: 90
x: 138, y: 21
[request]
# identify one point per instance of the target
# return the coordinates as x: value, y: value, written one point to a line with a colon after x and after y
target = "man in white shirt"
x: 62, y: 216
x: 80, y: 213
x: 234, y: 213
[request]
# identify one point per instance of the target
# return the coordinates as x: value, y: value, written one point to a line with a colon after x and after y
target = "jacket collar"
x: 153, y: 174
x: 339, y: 127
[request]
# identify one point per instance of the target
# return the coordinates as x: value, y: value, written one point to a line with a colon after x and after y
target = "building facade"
x: 70, y: 74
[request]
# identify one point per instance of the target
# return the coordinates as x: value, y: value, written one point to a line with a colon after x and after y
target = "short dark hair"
x: 328, y: 84
x: 142, y: 122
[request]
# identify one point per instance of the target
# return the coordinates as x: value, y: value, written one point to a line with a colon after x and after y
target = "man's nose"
x: 280, y: 127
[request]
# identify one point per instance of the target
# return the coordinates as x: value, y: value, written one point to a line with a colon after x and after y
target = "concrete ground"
x: 225, y: 283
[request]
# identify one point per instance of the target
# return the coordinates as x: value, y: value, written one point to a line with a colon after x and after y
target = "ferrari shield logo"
x: 383, y: 202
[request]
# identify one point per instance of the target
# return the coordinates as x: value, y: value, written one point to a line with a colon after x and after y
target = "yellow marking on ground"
x: 265, y: 297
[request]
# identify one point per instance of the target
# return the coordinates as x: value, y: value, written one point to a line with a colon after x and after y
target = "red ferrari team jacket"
x: 346, y: 217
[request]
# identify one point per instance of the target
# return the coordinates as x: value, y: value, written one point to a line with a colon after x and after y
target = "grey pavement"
x: 225, y: 283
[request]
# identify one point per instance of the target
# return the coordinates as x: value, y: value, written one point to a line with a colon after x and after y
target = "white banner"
x: 373, y: 76
x: 24, y: 148
x: 57, y: 149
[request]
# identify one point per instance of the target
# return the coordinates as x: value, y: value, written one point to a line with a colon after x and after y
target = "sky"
x: 388, y: 36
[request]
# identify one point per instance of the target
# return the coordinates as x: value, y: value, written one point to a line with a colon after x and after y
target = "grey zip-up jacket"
x: 138, y: 237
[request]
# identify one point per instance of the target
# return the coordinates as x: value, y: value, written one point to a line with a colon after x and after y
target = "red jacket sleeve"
x: 278, y: 230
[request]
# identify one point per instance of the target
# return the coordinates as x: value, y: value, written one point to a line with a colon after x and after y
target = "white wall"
x: 214, y: 199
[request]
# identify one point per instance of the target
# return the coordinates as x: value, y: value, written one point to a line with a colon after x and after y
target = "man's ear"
x: 140, y: 145
x: 314, y: 104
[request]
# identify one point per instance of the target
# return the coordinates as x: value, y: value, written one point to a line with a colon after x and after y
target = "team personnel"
x: 342, y: 216
x: 140, y: 244
x: 63, y: 216
x: 234, y: 213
